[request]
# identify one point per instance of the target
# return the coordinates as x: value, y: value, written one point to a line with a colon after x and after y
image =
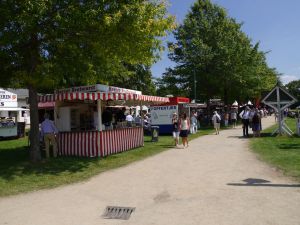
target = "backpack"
x: 218, y: 119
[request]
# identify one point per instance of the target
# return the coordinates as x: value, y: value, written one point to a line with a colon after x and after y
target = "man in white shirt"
x: 245, y: 115
x: 129, y: 120
x: 193, y: 129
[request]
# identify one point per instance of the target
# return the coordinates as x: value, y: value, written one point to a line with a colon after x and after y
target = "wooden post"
x: 99, y: 111
x: 141, y: 109
x: 279, y: 112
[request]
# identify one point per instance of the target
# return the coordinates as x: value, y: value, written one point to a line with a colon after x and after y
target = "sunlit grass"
x: 282, y: 152
x: 18, y: 175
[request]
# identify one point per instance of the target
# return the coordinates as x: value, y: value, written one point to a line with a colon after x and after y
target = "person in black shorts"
x: 175, y: 128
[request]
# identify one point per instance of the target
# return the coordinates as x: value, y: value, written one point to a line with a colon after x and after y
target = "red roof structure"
x: 176, y: 100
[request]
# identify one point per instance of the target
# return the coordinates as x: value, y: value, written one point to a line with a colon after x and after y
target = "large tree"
x: 213, y: 53
x: 293, y: 87
x: 138, y: 77
x: 45, y: 44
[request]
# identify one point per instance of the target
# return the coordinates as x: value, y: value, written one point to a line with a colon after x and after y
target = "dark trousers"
x: 245, y: 127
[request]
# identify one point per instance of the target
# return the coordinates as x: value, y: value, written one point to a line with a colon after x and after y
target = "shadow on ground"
x: 254, y: 182
x: 288, y: 146
x: 15, y: 162
x: 251, y: 136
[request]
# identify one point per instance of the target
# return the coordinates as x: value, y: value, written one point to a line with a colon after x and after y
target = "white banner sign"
x: 8, y: 99
x: 100, y: 88
x: 162, y: 115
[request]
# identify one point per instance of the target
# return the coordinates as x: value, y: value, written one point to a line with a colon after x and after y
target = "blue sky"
x: 273, y: 23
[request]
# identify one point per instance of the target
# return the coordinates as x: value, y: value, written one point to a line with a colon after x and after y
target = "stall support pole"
x: 56, y: 115
x: 141, y: 110
x: 99, y: 111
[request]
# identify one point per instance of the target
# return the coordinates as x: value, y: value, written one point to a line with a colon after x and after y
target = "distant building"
x: 23, y: 95
x: 14, y: 100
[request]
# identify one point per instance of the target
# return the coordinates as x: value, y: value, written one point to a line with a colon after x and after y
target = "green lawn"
x: 280, y: 151
x: 17, y: 175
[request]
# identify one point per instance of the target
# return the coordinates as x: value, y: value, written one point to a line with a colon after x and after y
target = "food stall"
x: 10, y: 115
x: 46, y: 107
x: 161, y: 115
x: 78, y: 116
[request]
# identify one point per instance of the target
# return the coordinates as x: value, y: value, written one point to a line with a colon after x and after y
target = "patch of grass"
x: 280, y: 151
x: 18, y: 175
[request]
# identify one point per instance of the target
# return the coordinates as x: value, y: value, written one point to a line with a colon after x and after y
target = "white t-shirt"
x: 184, y: 124
x: 129, y: 118
x: 193, y: 119
x: 233, y: 116
x: 245, y: 114
x: 214, y: 118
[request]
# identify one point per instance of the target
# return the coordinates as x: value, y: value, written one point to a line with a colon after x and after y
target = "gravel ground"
x: 217, y: 180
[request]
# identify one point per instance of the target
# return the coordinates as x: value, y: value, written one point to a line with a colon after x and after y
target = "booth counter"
x: 100, y: 143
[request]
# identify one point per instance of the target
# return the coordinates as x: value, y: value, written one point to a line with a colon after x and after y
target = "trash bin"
x: 154, y: 133
x: 21, y: 129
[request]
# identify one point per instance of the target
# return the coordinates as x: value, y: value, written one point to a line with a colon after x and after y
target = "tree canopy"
x: 47, y: 44
x: 50, y: 43
x: 212, y: 52
x: 294, y: 89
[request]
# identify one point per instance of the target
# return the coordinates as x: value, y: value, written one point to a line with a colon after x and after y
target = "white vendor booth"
x: 10, y: 114
x: 78, y: 116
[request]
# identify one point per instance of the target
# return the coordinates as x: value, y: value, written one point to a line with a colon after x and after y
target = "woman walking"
x: 175, y: 129
x: 184, y: 127
x: 256, y: 124
x: 216, y: 119
x: 233, y: 117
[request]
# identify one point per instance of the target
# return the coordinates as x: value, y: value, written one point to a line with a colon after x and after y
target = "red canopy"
x: 46, y: 105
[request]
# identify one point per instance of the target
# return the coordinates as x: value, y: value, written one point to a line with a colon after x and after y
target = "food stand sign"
x: 162, y: 115
x: 8, y: 99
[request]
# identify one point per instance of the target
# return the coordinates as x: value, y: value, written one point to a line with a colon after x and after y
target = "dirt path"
x: 199, y: 185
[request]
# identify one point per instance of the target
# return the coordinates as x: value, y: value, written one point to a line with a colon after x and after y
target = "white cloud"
x: 288, y: 78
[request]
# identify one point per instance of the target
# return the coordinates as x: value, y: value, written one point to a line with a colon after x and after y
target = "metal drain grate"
x: 116, y: 212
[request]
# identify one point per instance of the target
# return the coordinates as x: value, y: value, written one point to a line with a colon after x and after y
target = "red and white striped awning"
x: 102, y: 96
x: 149, y: 98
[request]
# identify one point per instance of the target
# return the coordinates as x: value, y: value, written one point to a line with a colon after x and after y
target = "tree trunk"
x: 35, y: 153
x: 225, y: 96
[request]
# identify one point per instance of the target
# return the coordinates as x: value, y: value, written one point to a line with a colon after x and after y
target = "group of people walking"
x: 251, y: 118
x: 183, y: 125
